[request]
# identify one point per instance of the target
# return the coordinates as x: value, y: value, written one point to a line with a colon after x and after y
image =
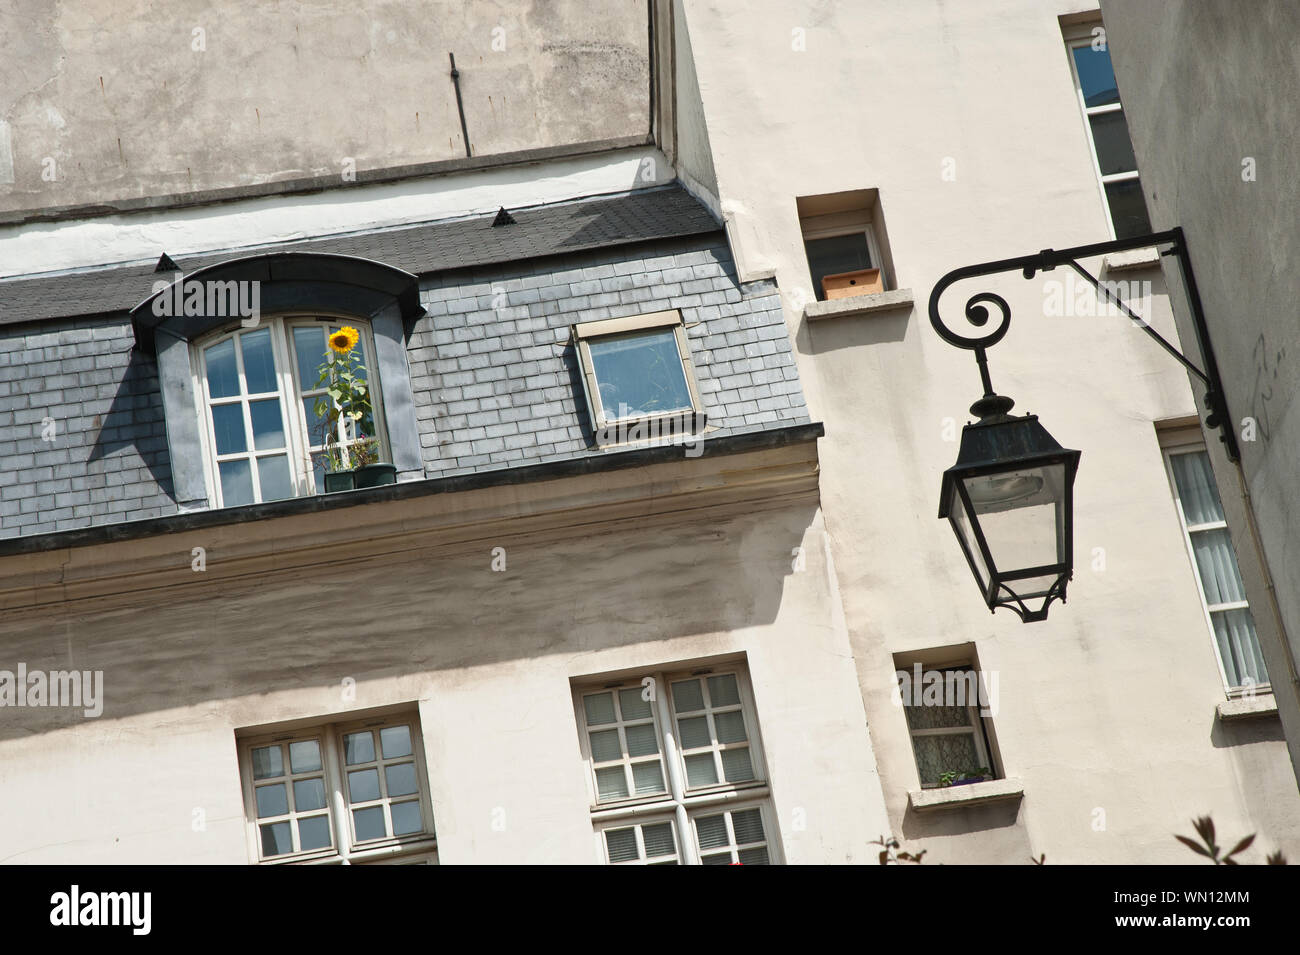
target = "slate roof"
x: 661, y: 213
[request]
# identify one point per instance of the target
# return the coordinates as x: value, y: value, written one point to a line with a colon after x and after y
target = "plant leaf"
x: 1243, y: 844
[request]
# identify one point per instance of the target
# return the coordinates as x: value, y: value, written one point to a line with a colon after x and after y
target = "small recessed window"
x: 947, y: 709
x: 637, y: 370
x: 843, y: 240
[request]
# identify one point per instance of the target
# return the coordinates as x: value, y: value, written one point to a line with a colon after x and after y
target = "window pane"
x: 1114, y: 149
x: 718, y: 858
x: 633, y: 706
x: 223, y: 376
x: 841, y: 253
x: 599, y: 707
x: 736, y: 765
x: 647, y: 778
x: 317, y: 425
x: 1196, y: 488
x: 236, y: 483
x: 659, y: 840
x: 309, y: 349
x: 1128, y: 210
x: 641, y: 740
x: 267, y: 762
x: 273, y: 477
x: 401, y: 779
x: 276, y: 839
x: 923, y: 717
x: 407, y: 818
x: 228, y: 428
x: 700, y: 770
x: 1234, y: 631
x: 693, y: 732
x: 308, y: 794
x: 620, y: 845
x: 1095, y: 76
x: 359, y: 748
x: 936, y: 755
x: 1218, y: 565
x: 748, y: 826
x: 363, y: 785
x: 395, y: 741
x: 370, y: 823
x: 611, y: 783
x: 640, y: 374
x: 605, y: 746
x: 687, y: 696
x: 259, y: 362
x: 712, y: 832
x: 304, y: 757
x: 753, y: 857
x: 272, y: 800
x: 314, y: 832
x: 730, y: 727
x: 268, y: 426
x: 723, y: 690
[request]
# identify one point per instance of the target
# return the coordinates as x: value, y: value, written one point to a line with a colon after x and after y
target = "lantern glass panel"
x: 1022, y: 515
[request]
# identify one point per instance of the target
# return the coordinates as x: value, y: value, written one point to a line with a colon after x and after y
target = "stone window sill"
x: 1132, y: 259
x: 974, y: 794
x: 1247, y: 708
x: 859, y: 304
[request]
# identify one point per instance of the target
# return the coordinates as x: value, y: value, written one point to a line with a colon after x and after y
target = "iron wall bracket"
x: 1171, y: 243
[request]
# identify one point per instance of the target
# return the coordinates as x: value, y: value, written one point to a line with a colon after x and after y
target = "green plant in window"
x: 964, y: 775
x: 344, y: 411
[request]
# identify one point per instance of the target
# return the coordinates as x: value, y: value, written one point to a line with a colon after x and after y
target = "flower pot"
x: 374, y: 475
x: 339, y: 481
x: 967, y: 782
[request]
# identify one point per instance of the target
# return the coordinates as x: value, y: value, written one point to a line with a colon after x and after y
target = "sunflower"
x: 344, y: 339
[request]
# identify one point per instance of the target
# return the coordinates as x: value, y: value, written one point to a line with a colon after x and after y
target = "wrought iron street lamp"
x: 1010, y: 496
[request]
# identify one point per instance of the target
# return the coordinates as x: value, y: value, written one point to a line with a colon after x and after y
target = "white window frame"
x: 1175, y: 444
x: 290, y: 395
x: 1080, y: 36
x: 681, y: 804
x: 977, y: 728
x: 586, y: 332
x: 345, y: 850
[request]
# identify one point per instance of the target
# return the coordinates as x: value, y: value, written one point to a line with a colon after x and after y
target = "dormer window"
x: 259, y: 390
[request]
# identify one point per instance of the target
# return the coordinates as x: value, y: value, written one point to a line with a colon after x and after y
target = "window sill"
x: 1247, y: 708
x: 859, y: 304
x: 974, y: 794
x: 1132, y: 259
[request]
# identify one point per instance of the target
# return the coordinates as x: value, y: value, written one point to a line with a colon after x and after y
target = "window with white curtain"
x: 1214, y: 564
x: 675, y: 769
x: 347, y: 793
x: 258, y: 393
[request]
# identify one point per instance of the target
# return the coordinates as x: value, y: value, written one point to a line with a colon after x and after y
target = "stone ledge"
x: 1247, y: 708
x: 1132, y: 259
x: 859, y: 304
x: 973, y: 794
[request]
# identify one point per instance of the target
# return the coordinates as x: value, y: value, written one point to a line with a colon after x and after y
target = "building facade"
x: 662, y: 533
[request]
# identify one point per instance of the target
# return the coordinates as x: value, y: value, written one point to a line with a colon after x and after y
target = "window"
x: 638, y: 370
x: 841, y: 241
x: 1214, y: 563
x: 258, y: 392
x: 351, y: 793
x: 1112, y: 149
x: 945, y: 707
x: 675, y: 770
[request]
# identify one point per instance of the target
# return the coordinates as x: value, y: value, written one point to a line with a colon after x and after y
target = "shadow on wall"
x: 135, y: 420
x: 427, y: 610
x: 1004, y: 840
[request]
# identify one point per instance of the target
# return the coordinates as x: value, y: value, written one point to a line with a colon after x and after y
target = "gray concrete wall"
x: 123, y: 99
x: 1212, y: 94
